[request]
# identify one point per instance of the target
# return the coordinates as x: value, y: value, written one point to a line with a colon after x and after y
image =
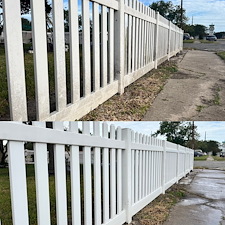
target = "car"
x: 198, y: 154
x: 186, y: 36
x: 211, y: 38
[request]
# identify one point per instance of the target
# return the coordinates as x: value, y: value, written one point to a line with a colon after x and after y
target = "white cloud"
x: 204, y: 12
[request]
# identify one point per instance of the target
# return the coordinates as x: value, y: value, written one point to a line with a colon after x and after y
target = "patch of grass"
x: 199, y: 108
x: 207, y: 42
x: 221, y: 55
x: 158, y: 210
x: 5, y: 201
x: 217, y: 158
x: 200, y: 167
x: 188, y: 41
x: 216, y: 99
x: 201, y: 158
x: 29, y: 77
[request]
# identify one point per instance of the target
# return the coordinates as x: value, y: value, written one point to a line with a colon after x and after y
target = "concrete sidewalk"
x: 205, y: 202
x: 195, y: 92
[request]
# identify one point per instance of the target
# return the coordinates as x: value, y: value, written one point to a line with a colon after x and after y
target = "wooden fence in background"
x: 125, y: 41
x: 128, y: 170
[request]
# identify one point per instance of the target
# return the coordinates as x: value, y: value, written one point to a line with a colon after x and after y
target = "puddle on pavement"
x: 192, y: 201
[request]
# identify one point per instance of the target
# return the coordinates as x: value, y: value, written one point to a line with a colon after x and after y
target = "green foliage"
x: 195, y: 30
x: 177, y: 132
x: 170, y: 11
x: 208, y: 146
x: 26, y: 24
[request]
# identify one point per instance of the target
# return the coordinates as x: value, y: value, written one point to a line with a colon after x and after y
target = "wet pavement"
x: 205, y: 201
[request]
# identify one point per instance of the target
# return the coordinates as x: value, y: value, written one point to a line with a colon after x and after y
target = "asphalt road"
x: 205, y: 201
x: 210, y: 164
x: 214, y: 46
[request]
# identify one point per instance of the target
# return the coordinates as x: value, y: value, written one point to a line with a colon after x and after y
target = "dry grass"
x: 137, y: 99
x: 158, y: 210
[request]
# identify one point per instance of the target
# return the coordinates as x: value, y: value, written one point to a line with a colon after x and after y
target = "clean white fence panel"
x: 131, y: 171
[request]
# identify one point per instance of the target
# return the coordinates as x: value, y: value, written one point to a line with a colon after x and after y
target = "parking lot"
x: 214, y: 46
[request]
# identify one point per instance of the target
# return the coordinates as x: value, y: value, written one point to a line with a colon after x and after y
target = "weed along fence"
x: 124, y: 41
x: 121, y: 172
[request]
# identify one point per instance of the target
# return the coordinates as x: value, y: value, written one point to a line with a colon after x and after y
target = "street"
x: 215, y: 46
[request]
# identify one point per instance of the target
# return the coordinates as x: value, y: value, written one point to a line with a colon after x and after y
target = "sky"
x: 213, y: 130
x: 204, y: 12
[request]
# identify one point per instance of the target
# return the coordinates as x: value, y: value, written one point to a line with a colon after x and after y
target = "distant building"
x: 211, y: 29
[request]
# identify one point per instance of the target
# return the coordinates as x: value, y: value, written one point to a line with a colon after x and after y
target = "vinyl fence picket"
x: 87, y: 178
x: 18, y: 184
x: 41, y: 178
x: 97, y: 177
x: 15, y: 60
x: 75, y: 178
x: 60, y: 179
x: 40, y: 59
x: 59, y: 54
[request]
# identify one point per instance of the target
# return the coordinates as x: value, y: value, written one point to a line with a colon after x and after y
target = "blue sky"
x: 214, y: 130
x: 204, y: 12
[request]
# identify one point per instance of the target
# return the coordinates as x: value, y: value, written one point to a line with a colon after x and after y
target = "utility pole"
x: 193, y: 135
x: 192, y: 20
x: 181, y: 16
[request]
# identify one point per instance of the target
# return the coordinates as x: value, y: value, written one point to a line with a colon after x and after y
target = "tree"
x: 208, y: 146
x: 170, y: 11
x: 196, y: 30
x: 25, y: 9
x: 26, y: 24
x: 177, y: 132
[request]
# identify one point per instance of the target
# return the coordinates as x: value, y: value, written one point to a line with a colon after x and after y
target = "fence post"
x: 126, y: 174
x: 156, y: 39
x: 177, y: 172
x: 119, y: 46
x: 169, y: 39
x: 163, y: 166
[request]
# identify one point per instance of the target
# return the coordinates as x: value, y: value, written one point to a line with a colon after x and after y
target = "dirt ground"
x: 195, y: 92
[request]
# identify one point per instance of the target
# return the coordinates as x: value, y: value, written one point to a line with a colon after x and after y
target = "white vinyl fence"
x: 126, y: 40
x: 128, y: 170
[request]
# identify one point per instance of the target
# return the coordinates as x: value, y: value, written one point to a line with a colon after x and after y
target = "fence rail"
x: 125, y: 41
x: 121, y: 171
